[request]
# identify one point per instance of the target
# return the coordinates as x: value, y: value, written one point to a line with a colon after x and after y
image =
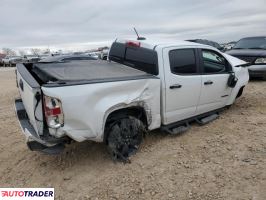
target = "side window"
x: 213, y: 62
x: 183, y: 61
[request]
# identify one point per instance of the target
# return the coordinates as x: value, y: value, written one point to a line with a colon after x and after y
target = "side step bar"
x: 176, y: 130
x: 207, y: 119
x: 182, y: 126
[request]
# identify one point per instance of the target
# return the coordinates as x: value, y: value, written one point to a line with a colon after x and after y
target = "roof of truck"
x: 152, y: 43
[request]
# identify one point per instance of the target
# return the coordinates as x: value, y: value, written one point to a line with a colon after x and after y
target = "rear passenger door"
x: 182, y: 83
x: 215, y: 71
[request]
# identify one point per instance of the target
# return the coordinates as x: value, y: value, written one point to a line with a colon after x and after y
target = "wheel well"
x: 135, y: 111
x: 240, y: 92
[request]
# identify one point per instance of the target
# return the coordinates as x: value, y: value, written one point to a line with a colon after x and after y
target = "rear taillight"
x: 53, y: 112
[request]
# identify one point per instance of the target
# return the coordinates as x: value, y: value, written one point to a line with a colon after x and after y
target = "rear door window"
x: 183, y: 61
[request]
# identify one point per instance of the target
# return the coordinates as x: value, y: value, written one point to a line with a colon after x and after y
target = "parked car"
x: 93, y: 54
x: 104, y: 54
x: 43, y: 56
x: 30, y: 58
x: 228, y: 46
x: 1, y: 57
x: 65, y: 58
x: 208, y: 42
x: 144, y: 86
x: 11, y: 60
x: 252, y: 50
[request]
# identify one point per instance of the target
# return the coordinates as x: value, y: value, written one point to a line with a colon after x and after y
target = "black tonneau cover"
x: 91, y: 71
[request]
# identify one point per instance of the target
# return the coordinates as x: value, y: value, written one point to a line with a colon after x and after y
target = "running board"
x: 207, y: 119
x: 176, y: 130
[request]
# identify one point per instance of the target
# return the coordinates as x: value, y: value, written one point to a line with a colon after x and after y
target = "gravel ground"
x: 225, y: 159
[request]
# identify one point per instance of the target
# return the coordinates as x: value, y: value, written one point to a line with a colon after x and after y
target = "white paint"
x: 86, y: 107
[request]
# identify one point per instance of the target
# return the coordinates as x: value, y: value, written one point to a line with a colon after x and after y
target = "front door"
x: 215, y: 73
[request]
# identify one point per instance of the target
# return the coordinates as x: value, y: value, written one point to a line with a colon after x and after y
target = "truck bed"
x: 91, y: 71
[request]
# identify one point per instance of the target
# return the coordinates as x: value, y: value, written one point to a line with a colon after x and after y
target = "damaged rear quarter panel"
x: 86, y: 107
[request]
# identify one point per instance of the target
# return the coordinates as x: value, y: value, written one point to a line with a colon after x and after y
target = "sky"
x: 80, y: 24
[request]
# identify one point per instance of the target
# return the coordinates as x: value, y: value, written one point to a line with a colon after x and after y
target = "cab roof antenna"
x: 138, y: 37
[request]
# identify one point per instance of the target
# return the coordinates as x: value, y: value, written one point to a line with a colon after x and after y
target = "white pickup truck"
x: 144, y: 85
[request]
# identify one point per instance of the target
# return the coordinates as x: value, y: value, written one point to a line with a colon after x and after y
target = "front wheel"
x: 124, y: 137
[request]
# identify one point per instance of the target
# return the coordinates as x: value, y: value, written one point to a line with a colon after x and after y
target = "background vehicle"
x: 144, y: 86
x: 93, y: 54
x: 30, y: 58
x: 64, y: 58
x: 228, y: 46
x: 208, y: 42
x: 1, y: 57
x: 253, y: 51
x: 104, y: 54
x: 11, y: 60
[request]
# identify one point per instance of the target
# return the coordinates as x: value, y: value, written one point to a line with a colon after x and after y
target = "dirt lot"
x: 225, y: 159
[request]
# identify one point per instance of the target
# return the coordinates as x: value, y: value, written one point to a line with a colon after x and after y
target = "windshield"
x: 251, y: 43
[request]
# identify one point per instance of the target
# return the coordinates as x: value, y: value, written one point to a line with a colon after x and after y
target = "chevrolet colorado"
x: 144, y: 85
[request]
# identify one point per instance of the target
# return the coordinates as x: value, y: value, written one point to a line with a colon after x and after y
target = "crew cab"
x: 144, y: 85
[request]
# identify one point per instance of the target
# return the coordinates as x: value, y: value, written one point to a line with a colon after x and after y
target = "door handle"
x: 208, y: 83
x: 175, y: 86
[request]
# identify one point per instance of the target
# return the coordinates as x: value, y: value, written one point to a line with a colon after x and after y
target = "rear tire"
x: 124, y: 137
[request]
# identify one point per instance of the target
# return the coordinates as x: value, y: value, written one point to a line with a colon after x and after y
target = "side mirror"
x: 232, y: 80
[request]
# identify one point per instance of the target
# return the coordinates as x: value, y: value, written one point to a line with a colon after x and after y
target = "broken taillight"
x: 53, y: 112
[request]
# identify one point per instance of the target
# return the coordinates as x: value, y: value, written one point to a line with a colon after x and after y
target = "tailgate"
x: 30, y: 93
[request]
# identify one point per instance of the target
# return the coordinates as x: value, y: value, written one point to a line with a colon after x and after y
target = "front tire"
x: 124, y: 137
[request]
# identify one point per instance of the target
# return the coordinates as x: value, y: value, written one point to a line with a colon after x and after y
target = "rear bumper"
x: 34, y: 141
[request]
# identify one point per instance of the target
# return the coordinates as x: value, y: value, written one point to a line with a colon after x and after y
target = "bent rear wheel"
x: 124, y: 137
